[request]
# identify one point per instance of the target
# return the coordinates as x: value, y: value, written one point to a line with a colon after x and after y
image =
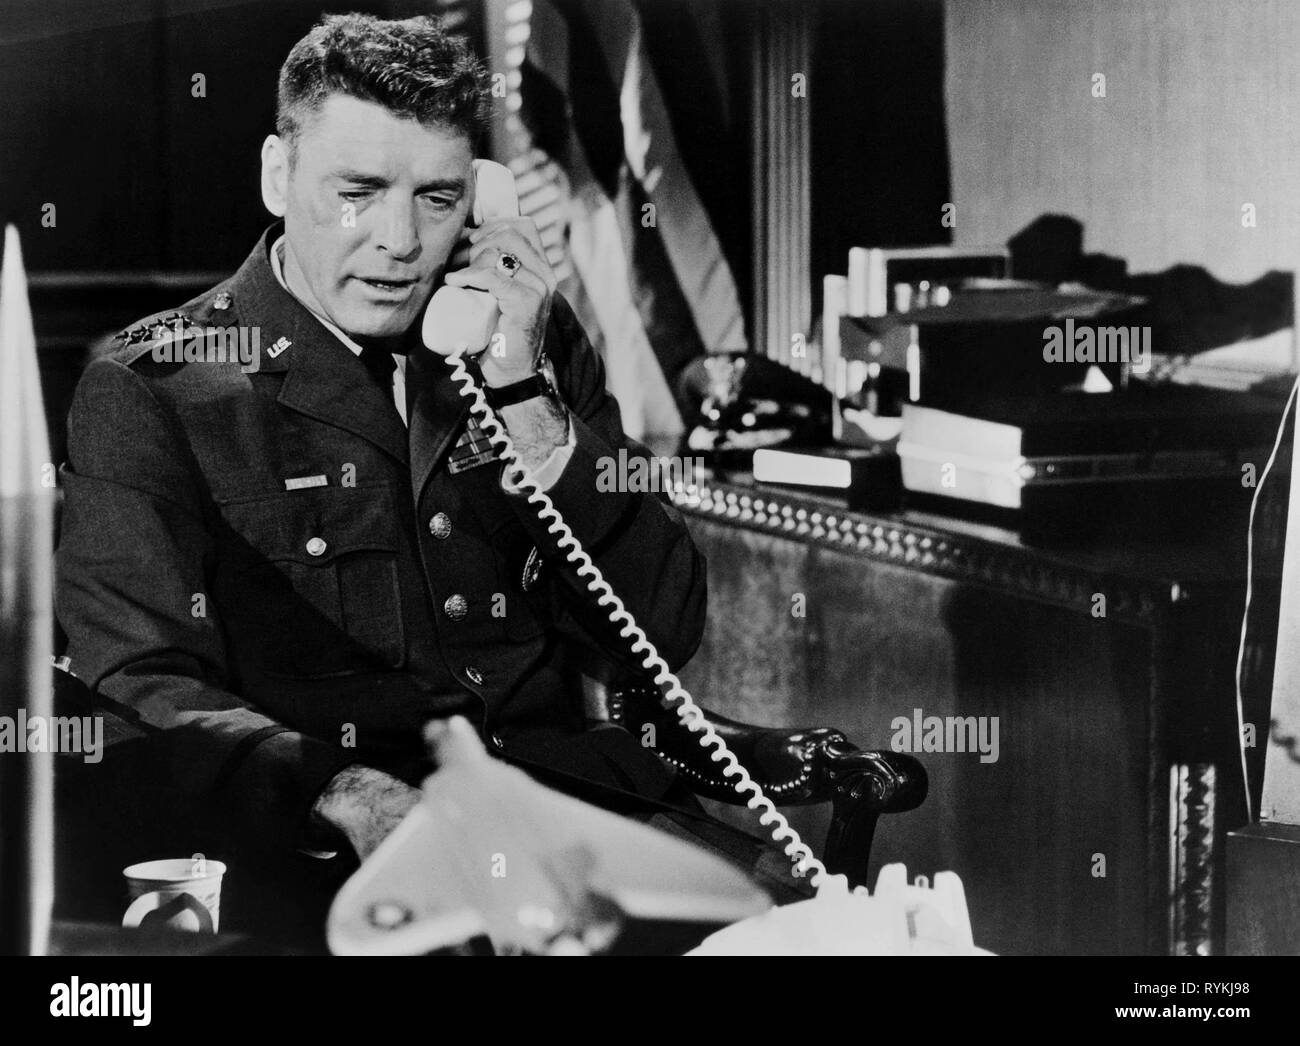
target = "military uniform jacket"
x: 267, y: 568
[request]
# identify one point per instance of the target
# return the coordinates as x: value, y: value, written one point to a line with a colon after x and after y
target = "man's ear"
x: 275, y: 175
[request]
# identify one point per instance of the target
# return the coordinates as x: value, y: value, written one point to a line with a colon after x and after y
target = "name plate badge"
x: 301, y: 482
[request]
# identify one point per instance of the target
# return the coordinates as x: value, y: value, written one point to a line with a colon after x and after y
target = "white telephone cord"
x: 692, y: 718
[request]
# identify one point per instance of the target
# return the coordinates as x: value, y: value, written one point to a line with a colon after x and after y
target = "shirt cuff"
x: 548, y: 473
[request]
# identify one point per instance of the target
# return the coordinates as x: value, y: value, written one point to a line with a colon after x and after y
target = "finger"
x: 513, y: 240
x: 479, y: 276
x: 517, y: 295
x: 533, y: 286
x: 523, y: 276
x: 460, y: 256
x: 484, y: 275
x: 526, y: 227
x: 506, y: 243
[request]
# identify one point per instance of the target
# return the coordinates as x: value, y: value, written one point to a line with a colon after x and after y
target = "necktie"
x: 416, y: 374
x: 380, y: 363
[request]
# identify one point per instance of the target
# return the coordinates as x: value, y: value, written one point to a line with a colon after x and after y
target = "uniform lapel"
x: 323, y: 378
x: 436, y: 415
x: 329, y: 383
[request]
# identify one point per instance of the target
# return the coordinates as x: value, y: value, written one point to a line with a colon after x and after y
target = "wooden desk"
x: 1264, y: 890
x: 1099, y: 829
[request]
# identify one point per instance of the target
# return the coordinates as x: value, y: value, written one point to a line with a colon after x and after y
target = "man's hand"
x: 524, y: 298
x: 536, y: 426
x: 365, y: 804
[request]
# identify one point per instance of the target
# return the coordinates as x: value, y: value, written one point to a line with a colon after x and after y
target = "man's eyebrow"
x: 456, y: 185
x: 358, y: 178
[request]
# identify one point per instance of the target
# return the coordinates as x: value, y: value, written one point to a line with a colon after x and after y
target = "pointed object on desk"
x: 24, y: 443
x: 26, y: 619
x: 490, y: 851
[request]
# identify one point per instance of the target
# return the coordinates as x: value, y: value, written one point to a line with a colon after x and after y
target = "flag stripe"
x: 695, y: 254
x: 696, y: 267
x: 665, y: 314
x: 634, y: 375
x: 603, y: 301
x: 592, y: 97
x: 666, y: 317
x: 602, y: 177
x: 683, y: 43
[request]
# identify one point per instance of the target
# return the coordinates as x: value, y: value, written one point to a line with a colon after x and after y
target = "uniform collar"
x: 325, y: 380
x: 276, y: 257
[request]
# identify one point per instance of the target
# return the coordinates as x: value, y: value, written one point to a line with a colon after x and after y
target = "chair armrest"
x: 793, y: 766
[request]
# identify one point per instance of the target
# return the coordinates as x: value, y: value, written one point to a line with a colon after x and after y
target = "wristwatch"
x: 542, y: 383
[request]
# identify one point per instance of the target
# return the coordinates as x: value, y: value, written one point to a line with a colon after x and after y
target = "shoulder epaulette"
x: 153, y: 328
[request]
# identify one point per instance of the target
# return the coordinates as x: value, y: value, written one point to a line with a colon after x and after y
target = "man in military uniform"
x: 289, y: 569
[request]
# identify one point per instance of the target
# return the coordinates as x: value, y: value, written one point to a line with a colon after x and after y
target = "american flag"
x: 633, y: 209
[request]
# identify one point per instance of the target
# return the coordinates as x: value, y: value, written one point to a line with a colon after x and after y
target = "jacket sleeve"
x: 639, y: 540
x: 133, y: 557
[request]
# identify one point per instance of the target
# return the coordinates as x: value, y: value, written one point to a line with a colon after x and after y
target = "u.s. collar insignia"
x: 280, y: 345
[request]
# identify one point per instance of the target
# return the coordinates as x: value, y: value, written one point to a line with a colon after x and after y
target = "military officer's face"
x: 373, y: 205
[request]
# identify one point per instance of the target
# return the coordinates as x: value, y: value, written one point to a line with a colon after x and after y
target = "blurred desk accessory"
x: 895, y: 919
x: 989, y: 340
x: 738, y: 403
x: 1167, y: 456
x: 755, y: 415
x: 868, y: 476
x: 489, y: 851
x: 876, y: 275
x: 181, y: 893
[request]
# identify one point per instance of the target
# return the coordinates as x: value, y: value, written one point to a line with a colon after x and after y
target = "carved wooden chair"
x: 795, y: 767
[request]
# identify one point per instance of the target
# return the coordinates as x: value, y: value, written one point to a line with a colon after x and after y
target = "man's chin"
x: 377, y: 321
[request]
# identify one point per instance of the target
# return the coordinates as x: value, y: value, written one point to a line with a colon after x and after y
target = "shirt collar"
x: 277, y: 267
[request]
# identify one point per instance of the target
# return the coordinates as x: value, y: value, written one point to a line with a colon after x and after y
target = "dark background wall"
x: 99, y: 119
x: 879, y: 142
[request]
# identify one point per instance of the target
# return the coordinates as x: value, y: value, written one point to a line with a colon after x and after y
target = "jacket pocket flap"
x: 316, y: 525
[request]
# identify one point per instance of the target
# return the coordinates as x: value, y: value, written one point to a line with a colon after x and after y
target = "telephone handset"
x: 463, y: 318
x: 461, y: 321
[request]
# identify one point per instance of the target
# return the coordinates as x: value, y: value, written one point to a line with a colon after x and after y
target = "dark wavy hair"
x: 411, y: 67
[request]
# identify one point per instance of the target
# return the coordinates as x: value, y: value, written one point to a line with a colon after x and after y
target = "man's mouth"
x: 392, y: 286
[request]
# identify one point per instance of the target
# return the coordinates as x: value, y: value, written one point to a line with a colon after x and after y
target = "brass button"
x: 440, y: 525
x: 316, y: 547
x: 221, y: 301
x: 456, y: 607
x: 475, y: 676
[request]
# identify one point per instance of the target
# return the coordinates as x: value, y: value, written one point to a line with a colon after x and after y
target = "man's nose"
x: 399, y: 235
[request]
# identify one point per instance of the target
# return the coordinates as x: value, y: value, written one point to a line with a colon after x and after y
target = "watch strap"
x: 516, y: 392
